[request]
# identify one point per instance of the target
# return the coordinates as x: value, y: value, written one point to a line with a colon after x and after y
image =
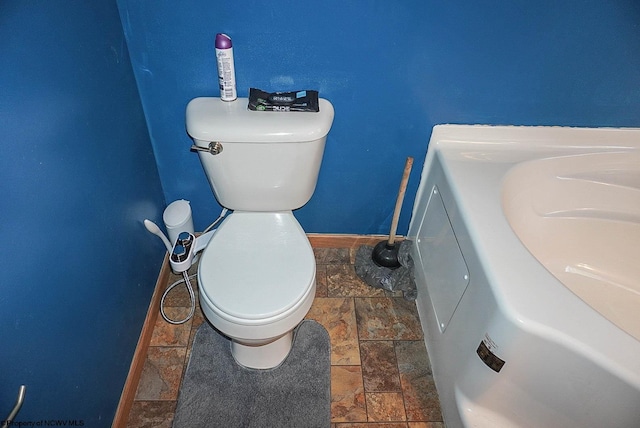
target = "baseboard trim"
x: 318, y: 240
x: 321, y: 240
x: 137, y: 363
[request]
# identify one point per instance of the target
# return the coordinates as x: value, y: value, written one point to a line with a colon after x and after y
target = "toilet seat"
x: 257, y: 268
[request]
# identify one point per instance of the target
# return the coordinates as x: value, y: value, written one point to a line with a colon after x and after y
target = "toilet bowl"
x: 257, y: 282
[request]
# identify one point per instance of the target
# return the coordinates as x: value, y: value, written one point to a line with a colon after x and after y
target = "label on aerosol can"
x: 226, y: 68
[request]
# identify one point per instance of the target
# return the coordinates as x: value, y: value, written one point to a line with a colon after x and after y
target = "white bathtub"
x: 527, y: 247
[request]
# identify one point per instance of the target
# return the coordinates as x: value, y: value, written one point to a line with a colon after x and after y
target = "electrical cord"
x: 187, y: 281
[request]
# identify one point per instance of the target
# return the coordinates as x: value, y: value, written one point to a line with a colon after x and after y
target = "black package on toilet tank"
x: 305, y: 100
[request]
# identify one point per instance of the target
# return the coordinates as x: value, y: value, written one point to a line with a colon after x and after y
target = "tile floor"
x: 380, y: 373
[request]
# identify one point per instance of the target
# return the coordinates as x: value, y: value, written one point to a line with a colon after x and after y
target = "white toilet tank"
x: 269, y: 161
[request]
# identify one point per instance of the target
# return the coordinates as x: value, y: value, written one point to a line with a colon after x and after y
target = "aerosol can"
x: 226, y: 68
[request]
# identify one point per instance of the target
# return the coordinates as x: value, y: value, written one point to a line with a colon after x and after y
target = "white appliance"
x: 257, y: 273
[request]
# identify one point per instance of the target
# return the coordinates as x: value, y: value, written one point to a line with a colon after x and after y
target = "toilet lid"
x: 257, y: 265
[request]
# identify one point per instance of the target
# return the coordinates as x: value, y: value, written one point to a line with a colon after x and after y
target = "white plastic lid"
x: 211, y: 119
x: 177, y: 213
x: 257, y: 265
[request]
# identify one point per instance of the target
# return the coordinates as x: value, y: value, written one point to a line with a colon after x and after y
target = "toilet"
x: 256, y: 276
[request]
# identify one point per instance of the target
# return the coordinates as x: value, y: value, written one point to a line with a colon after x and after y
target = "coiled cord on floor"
x: 187, y: 281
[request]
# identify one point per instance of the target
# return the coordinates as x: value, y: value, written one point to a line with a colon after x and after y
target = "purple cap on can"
x: 223, y: 41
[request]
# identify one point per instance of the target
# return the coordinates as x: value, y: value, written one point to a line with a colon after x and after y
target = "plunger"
x: 385, y: 253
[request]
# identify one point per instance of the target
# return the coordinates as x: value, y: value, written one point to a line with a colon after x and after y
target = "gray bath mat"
x: 217, y: 392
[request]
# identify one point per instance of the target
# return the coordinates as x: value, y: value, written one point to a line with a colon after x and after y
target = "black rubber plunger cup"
x: 385, y: 253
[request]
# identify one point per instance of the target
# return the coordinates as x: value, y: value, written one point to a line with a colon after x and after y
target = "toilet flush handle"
x: 214, y: 148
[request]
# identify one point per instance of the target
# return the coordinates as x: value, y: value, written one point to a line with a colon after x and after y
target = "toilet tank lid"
x: 211, y: 119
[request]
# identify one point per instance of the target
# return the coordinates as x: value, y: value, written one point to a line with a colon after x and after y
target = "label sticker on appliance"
x: 486, y: 353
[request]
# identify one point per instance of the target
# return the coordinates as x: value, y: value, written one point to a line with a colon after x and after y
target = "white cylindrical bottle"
x: 226, y: 68
x: 177, y: 218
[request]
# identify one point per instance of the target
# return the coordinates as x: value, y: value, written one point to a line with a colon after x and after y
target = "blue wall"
x: 392, y: 71
x: 77, y: 176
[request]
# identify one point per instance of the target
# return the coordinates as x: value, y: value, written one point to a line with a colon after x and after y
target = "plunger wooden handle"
x: 403, y: 188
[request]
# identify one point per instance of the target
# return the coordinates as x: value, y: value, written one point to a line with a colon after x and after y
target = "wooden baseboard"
x: 321, y: 240
x: 318, y: 240
x: 137, y: 364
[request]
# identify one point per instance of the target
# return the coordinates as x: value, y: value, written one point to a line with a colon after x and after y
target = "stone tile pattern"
x: 380, y: 371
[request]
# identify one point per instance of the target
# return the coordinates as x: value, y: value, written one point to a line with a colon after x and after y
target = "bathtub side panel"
x: 450, y: 351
